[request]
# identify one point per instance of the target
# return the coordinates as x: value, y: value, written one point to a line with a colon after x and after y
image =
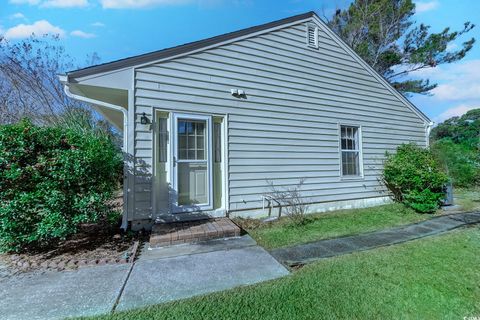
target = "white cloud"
x: 98, y: 24
x: 425, y: 6
x: 64, y: 3
x: 122, y: 4
x: 82, y: 34
x: 53, y: 3
x: 452, y: 47
x: 38, y: 28
x: 30, y: 2
x: 458, y: 81
x: 453, y: 112
x: 18, y: 15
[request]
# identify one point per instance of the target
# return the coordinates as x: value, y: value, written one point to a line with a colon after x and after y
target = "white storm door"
x: 192, y: 163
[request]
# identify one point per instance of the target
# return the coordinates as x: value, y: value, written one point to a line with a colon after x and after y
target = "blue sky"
x: 119, y: 28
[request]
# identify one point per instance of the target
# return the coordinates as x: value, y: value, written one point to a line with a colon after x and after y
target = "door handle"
x: 174, y: 161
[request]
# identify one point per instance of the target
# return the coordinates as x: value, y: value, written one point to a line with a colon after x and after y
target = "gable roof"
x: 184, y: 48
x: 217, y: 40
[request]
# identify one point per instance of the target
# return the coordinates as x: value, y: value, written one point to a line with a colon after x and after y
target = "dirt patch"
x: 94, y: 244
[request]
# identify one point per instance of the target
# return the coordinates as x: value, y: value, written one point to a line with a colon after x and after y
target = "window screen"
x: 350, y: 150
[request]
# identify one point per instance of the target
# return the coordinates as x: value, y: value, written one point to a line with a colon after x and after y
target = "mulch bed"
x: 95, y: 244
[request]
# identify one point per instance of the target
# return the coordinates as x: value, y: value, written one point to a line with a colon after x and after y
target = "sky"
x: 116, y: 29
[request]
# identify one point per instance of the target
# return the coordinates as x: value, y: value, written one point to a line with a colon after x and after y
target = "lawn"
x: 329, y: 225
x: 431, y: 278
x: 468, y: 199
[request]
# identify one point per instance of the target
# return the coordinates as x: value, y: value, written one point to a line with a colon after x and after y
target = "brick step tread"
x: 190, y: 232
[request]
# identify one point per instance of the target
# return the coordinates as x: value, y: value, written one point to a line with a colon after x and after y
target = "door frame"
x: 173, y: 158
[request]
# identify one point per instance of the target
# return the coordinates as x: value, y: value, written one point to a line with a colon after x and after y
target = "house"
x: 208, y: 124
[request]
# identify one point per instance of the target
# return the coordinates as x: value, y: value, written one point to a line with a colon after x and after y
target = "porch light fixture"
x: 238, y: 93
x: 144, y: 119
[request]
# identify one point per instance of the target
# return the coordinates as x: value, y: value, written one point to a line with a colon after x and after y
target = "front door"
x: 192, y: 163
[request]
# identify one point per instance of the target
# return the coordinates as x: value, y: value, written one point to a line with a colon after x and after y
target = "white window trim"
x: 315, y: 30
x: 360, y: 176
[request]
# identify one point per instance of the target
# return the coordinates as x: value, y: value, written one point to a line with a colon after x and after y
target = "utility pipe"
x: 124, y: 111
x: 428, y: 130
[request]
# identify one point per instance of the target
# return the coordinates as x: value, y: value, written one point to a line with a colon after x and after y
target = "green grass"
x: 329, y: 225
x: 468, y: 199
x: 432, y: 278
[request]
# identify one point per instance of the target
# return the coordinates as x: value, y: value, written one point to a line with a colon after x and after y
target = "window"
x: 217, y: 141
x: 350, y: 150
x: 191, y: 140
x: 312, y: 35
x: 162, y: 139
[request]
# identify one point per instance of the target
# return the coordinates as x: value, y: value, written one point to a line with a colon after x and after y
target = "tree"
x: 461, y: 130
x: 30, y: 88
x: 456, y: 145
x: 29, y: 83
x: 383, y: 33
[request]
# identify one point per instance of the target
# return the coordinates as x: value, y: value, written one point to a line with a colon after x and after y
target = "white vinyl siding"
x: 287, y: 126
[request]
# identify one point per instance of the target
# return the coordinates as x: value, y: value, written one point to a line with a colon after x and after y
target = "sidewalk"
x: 310, y: 252
x: 157, y: 276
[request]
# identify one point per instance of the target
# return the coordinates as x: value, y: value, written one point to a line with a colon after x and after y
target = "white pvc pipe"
x: 428, y: 130
x: 124, y: 111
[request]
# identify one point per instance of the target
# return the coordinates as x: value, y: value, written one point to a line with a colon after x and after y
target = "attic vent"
x: 312, y: 35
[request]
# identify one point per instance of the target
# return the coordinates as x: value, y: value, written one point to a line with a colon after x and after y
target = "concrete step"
x: 167, y: 234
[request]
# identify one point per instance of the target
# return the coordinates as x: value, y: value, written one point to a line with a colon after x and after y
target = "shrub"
x: 413, y: 176
x: 291, y: 200
x: 459, y: 161
x: 52, y: 180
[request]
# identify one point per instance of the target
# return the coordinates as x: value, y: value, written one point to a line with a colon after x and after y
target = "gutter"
x: 428, y: 130
x: 124, y: 111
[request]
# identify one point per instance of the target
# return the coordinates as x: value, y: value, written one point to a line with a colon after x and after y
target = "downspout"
x: 69, y: 94
x: 427, y: 132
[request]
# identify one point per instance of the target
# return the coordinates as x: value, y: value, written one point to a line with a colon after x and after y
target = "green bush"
x: 460, y: 161
x: 413, y: 176
x: 52, y: 180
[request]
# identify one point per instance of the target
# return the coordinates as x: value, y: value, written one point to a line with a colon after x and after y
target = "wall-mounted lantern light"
x: 238, y: 93
x: 144, y: 119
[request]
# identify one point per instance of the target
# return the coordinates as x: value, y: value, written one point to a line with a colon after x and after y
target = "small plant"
x: 414, y: 178
x: 51, y: 181
x: 291, y: 200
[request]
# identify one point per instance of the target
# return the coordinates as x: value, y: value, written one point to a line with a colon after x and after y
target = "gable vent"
x: 312, y: 35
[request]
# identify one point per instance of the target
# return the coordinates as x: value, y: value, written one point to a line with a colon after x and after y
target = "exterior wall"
x: 287, y: 127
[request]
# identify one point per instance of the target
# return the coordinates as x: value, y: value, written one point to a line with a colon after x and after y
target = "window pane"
x: 182, y: 154
x: 162, y: 139
x: 191, y: 142
x: 217, y: 141
x: 182, y: 141
x: 200, y: 128
x: 181, y: 127
x: 189, y: 127
x: 350, y: 163
x: 200, y: 142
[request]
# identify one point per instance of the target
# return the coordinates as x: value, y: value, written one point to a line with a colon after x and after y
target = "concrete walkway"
x: 310, y: 252
x: 158, y: 276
